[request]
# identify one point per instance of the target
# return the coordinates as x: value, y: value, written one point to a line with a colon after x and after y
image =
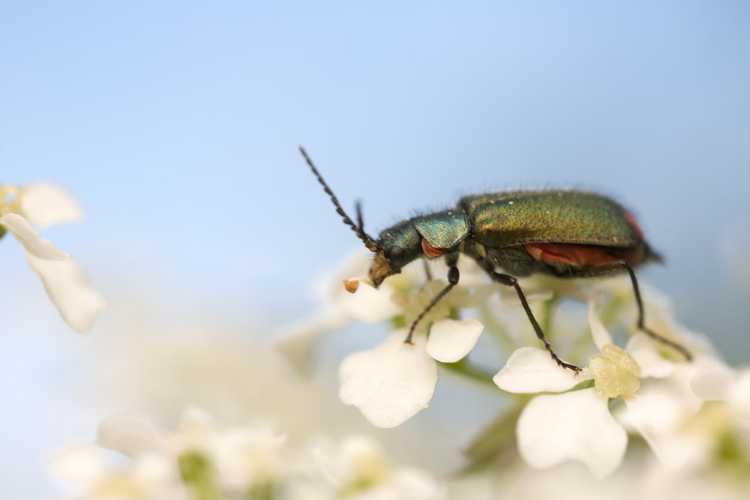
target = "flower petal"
x: 369, y: 304
x: 574, y: 426
x: 658, y: 412
x: 47, y: 204
x: 598, y: 331
x: 414, y: 484
x: 67, y: 286
x: 78, y: 467
x: 711, y: 379
x: 645, y: 353
x: 530, y: 370
x: 30, y: 239
x: 131, y: 436
x: 390, y: 383
x: 739, y: 396
x: 450, y: 340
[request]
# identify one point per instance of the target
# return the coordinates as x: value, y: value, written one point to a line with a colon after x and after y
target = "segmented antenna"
x: 360, y: 217
x: 358, y: 229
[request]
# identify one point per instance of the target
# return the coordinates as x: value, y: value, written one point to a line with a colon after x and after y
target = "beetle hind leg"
x: 642, y: 319
x: 509, y: 280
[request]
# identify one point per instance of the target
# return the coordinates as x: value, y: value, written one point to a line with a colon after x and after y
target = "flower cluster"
x: 22, y: 209
x: 201, y: 460
x: 559, y: 416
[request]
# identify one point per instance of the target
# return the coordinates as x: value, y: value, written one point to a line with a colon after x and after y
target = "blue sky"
x: 176, y: 124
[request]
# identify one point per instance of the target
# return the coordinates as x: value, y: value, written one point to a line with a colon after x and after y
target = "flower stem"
x: 471, y: 371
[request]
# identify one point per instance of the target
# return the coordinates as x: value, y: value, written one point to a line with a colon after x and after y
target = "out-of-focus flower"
x: 233, y: 460
x: 577, y: 424
x: 66, y: 284
x: 358, y: 469
x: 638, y: 476
x: 201, y: 460
x: 716, y: 436
x: 87, y: 474
x: 336, y: 309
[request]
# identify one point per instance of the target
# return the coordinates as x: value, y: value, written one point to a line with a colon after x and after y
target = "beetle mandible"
x: 562, y: 233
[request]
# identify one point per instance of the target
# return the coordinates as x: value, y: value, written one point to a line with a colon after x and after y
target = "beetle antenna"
x: 358, y: 229
x: 360, y: 217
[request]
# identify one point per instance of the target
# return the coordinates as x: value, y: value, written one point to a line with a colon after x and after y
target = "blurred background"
x: 176, y: 125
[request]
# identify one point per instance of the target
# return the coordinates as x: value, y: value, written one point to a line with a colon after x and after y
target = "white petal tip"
x: 451, y: 340
x: 390, y: 383
x: 531, y: 370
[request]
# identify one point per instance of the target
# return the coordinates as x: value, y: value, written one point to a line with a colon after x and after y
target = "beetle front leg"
x: 508, y: 280
x: 453, y: 277
x: 642, y: 318
x: 427, y: 270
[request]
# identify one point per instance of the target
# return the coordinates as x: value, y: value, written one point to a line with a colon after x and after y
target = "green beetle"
x: 562, y: 233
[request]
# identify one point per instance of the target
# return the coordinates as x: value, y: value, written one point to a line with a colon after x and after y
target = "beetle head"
x: 380, y: 269
x: 398, y: 245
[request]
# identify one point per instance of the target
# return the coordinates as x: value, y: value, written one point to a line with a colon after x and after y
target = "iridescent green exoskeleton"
x: 562, y: 233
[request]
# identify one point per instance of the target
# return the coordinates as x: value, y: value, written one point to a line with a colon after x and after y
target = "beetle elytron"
x: 563, y: 233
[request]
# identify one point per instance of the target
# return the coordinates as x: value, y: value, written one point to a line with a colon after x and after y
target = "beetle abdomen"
x: 556, y: 216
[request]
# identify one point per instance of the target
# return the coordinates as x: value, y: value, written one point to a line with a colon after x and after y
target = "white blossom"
x: 357, y: 468
x: 47, y: 205
x: 202, y: 458
x: 64, y: 280
x: 241, y: 458
x: 394, y: 381
x: 87, y: 474
x: 577, y: 425
x: 337, y: 308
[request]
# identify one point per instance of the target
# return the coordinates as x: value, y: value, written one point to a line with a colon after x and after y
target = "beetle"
x: 562, y: 233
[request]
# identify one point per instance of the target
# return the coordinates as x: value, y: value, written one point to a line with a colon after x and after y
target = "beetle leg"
x: 453, y: 277
x: 427, y: 270
x: 508, y: 280
x: 642, y: 318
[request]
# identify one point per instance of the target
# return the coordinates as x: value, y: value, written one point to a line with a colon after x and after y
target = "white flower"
x: 88, y: 475
x: 239, y: 459
x: 46, y: 205
x: 391, y: 382
x: 573, y: 426
x: 202, y: 460
x: 683, y: 433
x: 394, y: 381
x: 346, y: 295
x: 337, y: 309
x: 64, y: 280
x: 578, y: 425
x: 358, y: 469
